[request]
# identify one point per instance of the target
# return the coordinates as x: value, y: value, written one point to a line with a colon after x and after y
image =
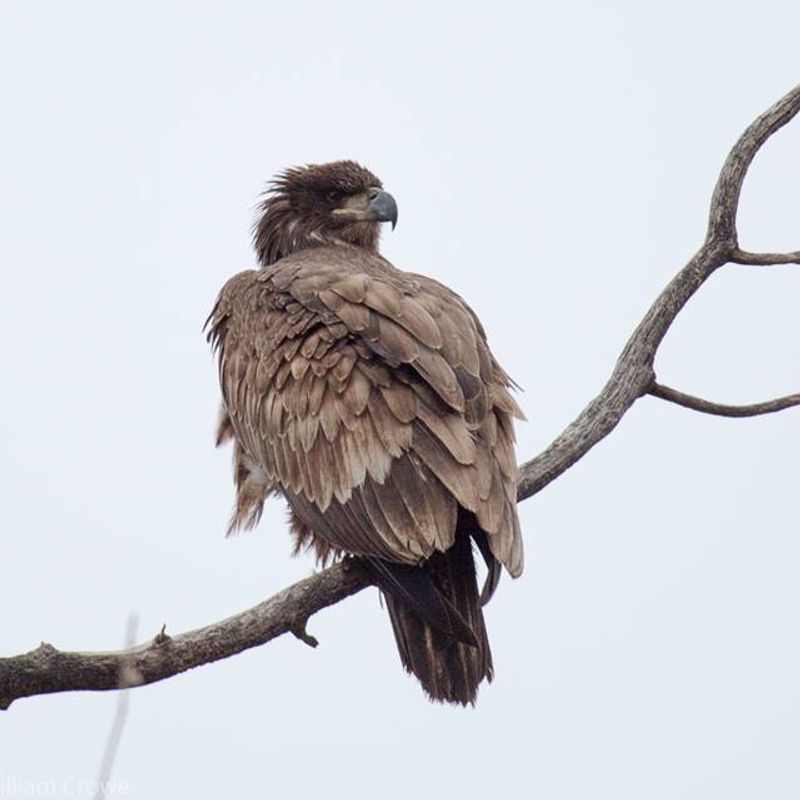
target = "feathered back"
x: 353, y: 384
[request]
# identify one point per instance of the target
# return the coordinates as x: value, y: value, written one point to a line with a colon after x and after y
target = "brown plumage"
x: 369, y: 399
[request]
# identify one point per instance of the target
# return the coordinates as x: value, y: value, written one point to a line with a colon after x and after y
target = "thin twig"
x: 721, y: 409
x: 739, y: 256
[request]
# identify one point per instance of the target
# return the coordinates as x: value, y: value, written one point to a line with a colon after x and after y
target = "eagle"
x: 369, y: 399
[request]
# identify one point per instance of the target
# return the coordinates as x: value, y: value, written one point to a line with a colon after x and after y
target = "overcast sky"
x: 552, y: 163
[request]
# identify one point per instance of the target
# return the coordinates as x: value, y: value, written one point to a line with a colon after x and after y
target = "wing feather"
x: 419, y: 323
x: 369, y: 397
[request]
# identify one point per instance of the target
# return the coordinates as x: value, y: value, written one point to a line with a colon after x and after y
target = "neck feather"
x: 281, y: 231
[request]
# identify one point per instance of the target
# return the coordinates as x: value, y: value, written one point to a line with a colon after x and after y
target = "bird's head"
x: 321, y: 204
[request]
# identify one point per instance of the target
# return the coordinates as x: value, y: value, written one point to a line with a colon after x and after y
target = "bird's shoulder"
x: 353, y: 272
x: 403, y: 317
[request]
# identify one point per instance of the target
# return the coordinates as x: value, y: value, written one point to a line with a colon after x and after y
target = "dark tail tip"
x: 432, y: 608
x: 449, y: 671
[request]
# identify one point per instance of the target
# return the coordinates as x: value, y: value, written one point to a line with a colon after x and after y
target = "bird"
x: 369, y: 399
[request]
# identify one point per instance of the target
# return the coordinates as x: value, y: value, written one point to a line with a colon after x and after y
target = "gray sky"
x: 552, y: 163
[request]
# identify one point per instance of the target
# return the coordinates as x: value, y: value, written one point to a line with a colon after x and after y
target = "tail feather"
x: 414, y: 588
x: 449, y: 665
x: 494, y: 568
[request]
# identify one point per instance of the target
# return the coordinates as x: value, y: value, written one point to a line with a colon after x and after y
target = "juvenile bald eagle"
x: 369, y: 399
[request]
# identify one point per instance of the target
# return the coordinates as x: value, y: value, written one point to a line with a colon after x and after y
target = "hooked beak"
x: 382, y: 206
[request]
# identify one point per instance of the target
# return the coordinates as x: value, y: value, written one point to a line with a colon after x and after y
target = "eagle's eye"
x: 333, y: 196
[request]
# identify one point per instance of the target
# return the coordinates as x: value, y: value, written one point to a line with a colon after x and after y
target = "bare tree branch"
x: 47, y: 670
x: 720, y: 409
x: 763, y: 259
x: 725, y: 200
x: 634, y: 375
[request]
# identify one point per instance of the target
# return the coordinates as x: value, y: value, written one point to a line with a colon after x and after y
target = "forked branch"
x: 47, y: 670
